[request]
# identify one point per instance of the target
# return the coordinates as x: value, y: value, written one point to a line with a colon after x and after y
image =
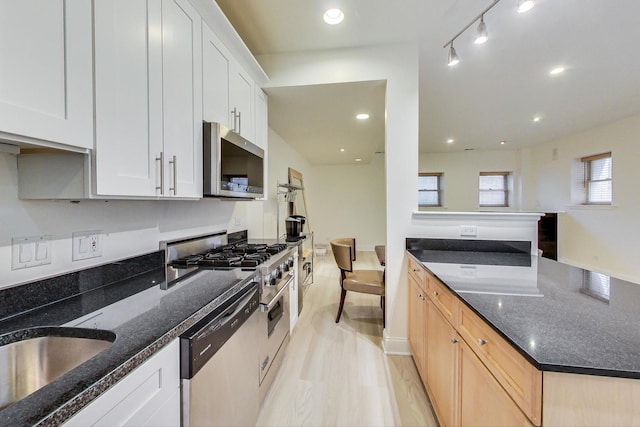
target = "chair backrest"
x: 351, y: 241
x: 342, y: 254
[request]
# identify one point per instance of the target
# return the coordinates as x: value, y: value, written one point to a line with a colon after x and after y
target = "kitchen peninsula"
x: 519, y: 322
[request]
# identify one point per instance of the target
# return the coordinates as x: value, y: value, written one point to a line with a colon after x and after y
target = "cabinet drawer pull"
x: 481, y: 341
x: 436, y: 293
x: 454, y: 341
x: 415, y: 270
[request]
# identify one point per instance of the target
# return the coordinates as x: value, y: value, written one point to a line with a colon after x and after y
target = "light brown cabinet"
x: 472, y: 375
x: 483, y: 401
x: 417, y: 323
x: 442, y: 362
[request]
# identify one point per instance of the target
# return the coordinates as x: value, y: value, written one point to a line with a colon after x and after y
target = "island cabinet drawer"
x: 520, y: 379
x: 443, y: 298
x: 417, y: 271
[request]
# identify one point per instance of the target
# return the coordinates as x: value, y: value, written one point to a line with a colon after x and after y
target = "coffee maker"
x: 295, y: 226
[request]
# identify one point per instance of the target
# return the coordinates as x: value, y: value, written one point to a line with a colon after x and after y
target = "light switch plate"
x: 27, y: 252
x: 86, y: 244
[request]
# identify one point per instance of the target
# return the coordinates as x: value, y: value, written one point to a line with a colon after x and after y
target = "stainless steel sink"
x: 32, y: 358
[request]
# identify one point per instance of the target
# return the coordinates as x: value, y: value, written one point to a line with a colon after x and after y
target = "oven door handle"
x: 274, y: 301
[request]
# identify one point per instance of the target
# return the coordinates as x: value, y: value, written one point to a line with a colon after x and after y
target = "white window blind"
x: 494, y: 189
x: 598, y: 178
x: 429, y: 189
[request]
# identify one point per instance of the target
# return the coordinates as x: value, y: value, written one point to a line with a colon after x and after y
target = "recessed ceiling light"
x: 450, y: 141
x: 342, y: 150
x: 557, y: 70
x: 333, y: 16
x: 358, y: 159
x: 503, y: 142
x: 525, y: 5
x: 536, y: 119
x: 362, y: 116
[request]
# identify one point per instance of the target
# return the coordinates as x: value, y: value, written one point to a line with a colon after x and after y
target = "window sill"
x: 592, y: 207
x: 432, y: 208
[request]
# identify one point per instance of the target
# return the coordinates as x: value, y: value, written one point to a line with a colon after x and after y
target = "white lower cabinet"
x: 46, y: 82
x: 148, y: 85
x: 148, y: 396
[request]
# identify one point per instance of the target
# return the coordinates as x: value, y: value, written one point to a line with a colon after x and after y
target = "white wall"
x: 600, y: 238
x: 603, y: 239
x: 398, y: 66
x: 349, y: 201
x: 461, y: 171
x: 130, y: 227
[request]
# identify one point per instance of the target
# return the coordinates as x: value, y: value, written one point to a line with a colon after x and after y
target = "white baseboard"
x: 397, y: 346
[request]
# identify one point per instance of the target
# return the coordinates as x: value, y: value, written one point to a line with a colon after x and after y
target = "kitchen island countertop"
x: 561, y: 318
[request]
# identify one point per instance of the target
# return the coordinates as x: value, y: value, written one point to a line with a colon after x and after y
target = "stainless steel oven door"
x: 274, y: 325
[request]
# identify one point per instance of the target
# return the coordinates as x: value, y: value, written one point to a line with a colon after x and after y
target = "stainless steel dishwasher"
x: 219, y: 359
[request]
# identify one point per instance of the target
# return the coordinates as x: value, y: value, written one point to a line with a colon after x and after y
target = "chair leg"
x: 384, y: 312
x: 343, y: 294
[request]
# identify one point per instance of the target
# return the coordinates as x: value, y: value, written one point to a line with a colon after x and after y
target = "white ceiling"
x: 490, y: 96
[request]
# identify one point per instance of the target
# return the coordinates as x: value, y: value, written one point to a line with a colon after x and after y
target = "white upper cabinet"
x: 148, y: 86
x: 128, y: 117
x: 261, y: 119
x: 46, y: 77
x: 241, y: 101
x: 216, y: 62
x: 182, y: 98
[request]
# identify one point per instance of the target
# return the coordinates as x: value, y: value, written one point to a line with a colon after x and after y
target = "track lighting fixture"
x: 482, y: 35
x: 453, y: 56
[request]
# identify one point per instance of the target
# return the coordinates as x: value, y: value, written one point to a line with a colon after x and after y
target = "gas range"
x: 268, y: 261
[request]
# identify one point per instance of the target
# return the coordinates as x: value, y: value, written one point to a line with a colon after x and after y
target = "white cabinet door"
x: 128, y: 111
x: 46, y: 81
x: 261, y: 120
x: 216, y: 61
x: 241, y: 100
x: 148, y: 84
x: 262, y: 130
x: 182, y: 98
x: 149, y: 393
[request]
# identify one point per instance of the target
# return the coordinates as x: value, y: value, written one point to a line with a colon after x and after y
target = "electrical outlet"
x: 86, y: 244
x: 29, y: 252
x: 468, y: 231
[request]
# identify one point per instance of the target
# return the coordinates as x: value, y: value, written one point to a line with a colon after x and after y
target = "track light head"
x: 482, y: 35
x: 525, y: 5
x: 453, y: 56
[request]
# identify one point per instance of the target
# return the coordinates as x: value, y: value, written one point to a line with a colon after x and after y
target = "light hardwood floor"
x: 337, y: 374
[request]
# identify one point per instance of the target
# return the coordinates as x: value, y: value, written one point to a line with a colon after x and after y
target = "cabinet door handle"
x: 174, y: 162
x: 240, y: 122
x: 415, y: 270
x: 235, y: 116
x: 481, y: 341
x: 161, y: 160
x: 436, y: 293
x: 454, y: 341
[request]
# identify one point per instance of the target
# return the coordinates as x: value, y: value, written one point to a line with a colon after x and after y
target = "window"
x: 597, y: 179
x: 494, y: 189
x: 430, y: 189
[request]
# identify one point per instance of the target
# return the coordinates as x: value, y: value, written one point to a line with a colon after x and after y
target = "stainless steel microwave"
x: 233, y: 166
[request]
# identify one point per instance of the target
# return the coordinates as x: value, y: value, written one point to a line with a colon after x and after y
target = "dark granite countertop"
x: 561, y: 318
x: 154, y: 318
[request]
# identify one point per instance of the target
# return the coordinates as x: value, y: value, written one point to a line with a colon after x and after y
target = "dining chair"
x: 363, y: 281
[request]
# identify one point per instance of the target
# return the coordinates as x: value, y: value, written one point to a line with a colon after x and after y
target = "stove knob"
x: 267, y: 279
x: 273, y: 281
x: 285, y: 266
x: 290, y: 262
x: 279, y: 272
